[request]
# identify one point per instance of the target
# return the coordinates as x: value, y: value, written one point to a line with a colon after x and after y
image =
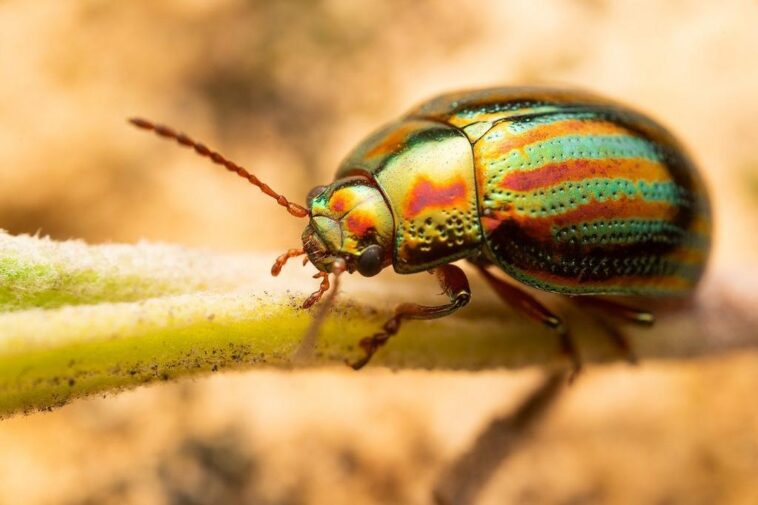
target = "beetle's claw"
x: 357, y: 365
x: 369, y: 346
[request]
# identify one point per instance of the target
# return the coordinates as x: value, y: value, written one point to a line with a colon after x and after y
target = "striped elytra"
x: 572, y: 193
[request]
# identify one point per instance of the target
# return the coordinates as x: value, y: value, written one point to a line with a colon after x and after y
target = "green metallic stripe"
x: 629, y: 231
x: 570, y: 147
x: 571, y: 195
x: 526, y: 108
x: 620, y: 117
x: 509, y: 109
x: 520, y: 125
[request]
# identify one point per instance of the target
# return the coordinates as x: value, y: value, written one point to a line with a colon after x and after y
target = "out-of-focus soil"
x: 286, y: 89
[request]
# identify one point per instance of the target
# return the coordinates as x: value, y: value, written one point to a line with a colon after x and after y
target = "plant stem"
x: 115, y: 317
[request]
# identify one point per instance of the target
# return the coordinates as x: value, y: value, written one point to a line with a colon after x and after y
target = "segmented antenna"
x: 166, y: 132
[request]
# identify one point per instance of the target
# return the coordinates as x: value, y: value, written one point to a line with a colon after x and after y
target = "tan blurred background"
x: 286, y: 88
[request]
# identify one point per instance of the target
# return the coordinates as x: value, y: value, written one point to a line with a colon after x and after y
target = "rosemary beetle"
x: 563, y: 191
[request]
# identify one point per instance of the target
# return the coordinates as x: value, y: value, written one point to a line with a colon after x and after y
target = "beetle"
x: 561, y: 190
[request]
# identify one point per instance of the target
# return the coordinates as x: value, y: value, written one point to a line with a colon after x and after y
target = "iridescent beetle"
x: 562, y: 190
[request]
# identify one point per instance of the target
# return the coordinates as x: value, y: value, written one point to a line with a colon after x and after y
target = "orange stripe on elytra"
x: 581, y: 169
x: 542, y: 227
x: 552, y: 130
x: 392, y: 141
x: 425, y: 194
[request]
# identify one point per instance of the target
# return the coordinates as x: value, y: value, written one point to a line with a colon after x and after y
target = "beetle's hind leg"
x: 454, y: 284
x: 531, y: 307
x: 602, y: 309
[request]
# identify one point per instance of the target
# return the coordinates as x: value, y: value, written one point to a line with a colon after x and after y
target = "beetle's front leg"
x: 454, y: 284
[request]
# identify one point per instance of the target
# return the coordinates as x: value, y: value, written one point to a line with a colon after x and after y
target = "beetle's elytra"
x: 562, y: 190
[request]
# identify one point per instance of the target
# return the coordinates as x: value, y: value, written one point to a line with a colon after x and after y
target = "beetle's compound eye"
x: 313, y: 194
x: 370, y: 261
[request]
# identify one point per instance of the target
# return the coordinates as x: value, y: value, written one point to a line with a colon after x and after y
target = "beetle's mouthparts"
x: 315, y: 248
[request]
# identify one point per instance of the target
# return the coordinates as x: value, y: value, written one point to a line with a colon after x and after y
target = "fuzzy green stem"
x: 114, y: 317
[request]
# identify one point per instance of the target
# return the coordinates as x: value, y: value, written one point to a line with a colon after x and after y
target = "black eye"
x: 370, y: 261
x: 313, y: 194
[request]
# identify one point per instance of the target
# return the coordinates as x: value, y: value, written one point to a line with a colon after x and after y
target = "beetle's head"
x: 350, y: 221
x: 351, y: 226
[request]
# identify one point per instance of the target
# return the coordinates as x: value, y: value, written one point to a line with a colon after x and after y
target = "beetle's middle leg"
x: 454, y: 284
x: 531, y: 307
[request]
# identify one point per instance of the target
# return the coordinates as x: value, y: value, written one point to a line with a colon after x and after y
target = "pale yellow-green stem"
x: 79, y: 319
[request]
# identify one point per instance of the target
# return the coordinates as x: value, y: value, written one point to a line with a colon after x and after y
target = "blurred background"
x: 286, y: 89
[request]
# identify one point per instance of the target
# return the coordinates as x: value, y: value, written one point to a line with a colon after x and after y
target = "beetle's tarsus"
x: 357, y: 365
x: 316, y: 295
x: 308, y: 344
x: 372, y: 344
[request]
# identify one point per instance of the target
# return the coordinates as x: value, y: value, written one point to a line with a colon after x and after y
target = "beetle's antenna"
x: 308, y: 343
x: 166, y: 132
